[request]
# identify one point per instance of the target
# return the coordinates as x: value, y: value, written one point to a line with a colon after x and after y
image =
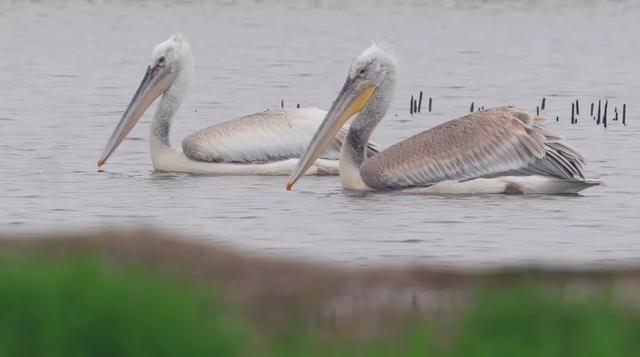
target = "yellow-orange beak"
x: 353, y: 98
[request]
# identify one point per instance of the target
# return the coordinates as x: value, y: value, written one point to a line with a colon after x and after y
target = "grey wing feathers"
x: 252, y: 138
x: 497, y: 142
x: 267, y: 136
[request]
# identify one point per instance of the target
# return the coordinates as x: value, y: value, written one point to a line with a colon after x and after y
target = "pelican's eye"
x: 161, y: 61
x: 362, y: 72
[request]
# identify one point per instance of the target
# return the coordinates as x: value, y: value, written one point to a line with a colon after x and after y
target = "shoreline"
x: 270, y: 288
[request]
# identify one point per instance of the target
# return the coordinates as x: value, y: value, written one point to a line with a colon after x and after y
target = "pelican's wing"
x: 268, y: 136
x: 496, y: 142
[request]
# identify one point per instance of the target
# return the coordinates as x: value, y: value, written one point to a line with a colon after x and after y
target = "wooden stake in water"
x: 538, y: 111
x: 604, y: 117
x: 573, y: 113
x: 415, y: 106
x: 411, y: 105
x: 471, y: 109
x: 298, y: 106
x: 591, y: 109
x: 577, y: 107
x: 598, y: 120
x: 420, y: 103
x: 624, y: 114
x: 615, y: 110
x: 557, y: 118
x: 544, y: 103
x: 429, y: 104
x: 282, y: 103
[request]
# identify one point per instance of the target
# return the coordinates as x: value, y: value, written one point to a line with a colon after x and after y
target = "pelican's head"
x: 370, y: 80
x: 375, y: 64
x: 168, y: 59
x: 174, y: 54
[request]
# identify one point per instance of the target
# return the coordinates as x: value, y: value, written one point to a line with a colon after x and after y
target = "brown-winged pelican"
x: 501, y: 150
x: 266, y: 143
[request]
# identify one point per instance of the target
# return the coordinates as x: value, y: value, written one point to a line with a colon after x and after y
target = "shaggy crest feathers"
x: 178, y: 39
x: 377, y: 58
x: 377, y: 49
x: 175, y: 46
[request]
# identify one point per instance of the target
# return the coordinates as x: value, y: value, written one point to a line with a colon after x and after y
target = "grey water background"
x: 69, y: 68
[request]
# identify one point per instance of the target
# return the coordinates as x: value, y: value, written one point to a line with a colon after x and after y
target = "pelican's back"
x: 496, y: 142
x: 268, y: 136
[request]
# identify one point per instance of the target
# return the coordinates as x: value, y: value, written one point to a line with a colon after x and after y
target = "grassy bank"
x: 82, y: 299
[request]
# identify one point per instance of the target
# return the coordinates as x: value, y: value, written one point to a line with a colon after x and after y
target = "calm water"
x: 68, y: 69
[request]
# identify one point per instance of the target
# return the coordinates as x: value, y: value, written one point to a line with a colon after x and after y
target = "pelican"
x: 501, y: 150
x: 266, y: 143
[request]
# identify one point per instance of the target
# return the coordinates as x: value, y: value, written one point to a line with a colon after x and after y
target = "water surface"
x: 68, y: 69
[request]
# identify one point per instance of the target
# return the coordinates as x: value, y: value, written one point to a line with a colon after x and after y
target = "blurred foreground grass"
x: 82, y: 308
x: 83, y: 304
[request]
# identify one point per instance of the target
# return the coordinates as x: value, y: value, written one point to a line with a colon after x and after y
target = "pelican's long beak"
x: 354, y: 96
x: 147, y: 92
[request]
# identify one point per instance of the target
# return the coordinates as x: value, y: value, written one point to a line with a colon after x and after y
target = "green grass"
x: 529, y: 321
x: 85, y: 307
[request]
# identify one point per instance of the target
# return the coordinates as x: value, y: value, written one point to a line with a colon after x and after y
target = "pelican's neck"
x: 167, y: 108
x: 354, y: 149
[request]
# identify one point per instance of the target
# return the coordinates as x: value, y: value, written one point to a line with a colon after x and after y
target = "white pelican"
x: 266, y: 143
x: 501, y: 150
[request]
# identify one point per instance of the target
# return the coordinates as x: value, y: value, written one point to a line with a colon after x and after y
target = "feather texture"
x: 504, y: 141
x: 268, y: 136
